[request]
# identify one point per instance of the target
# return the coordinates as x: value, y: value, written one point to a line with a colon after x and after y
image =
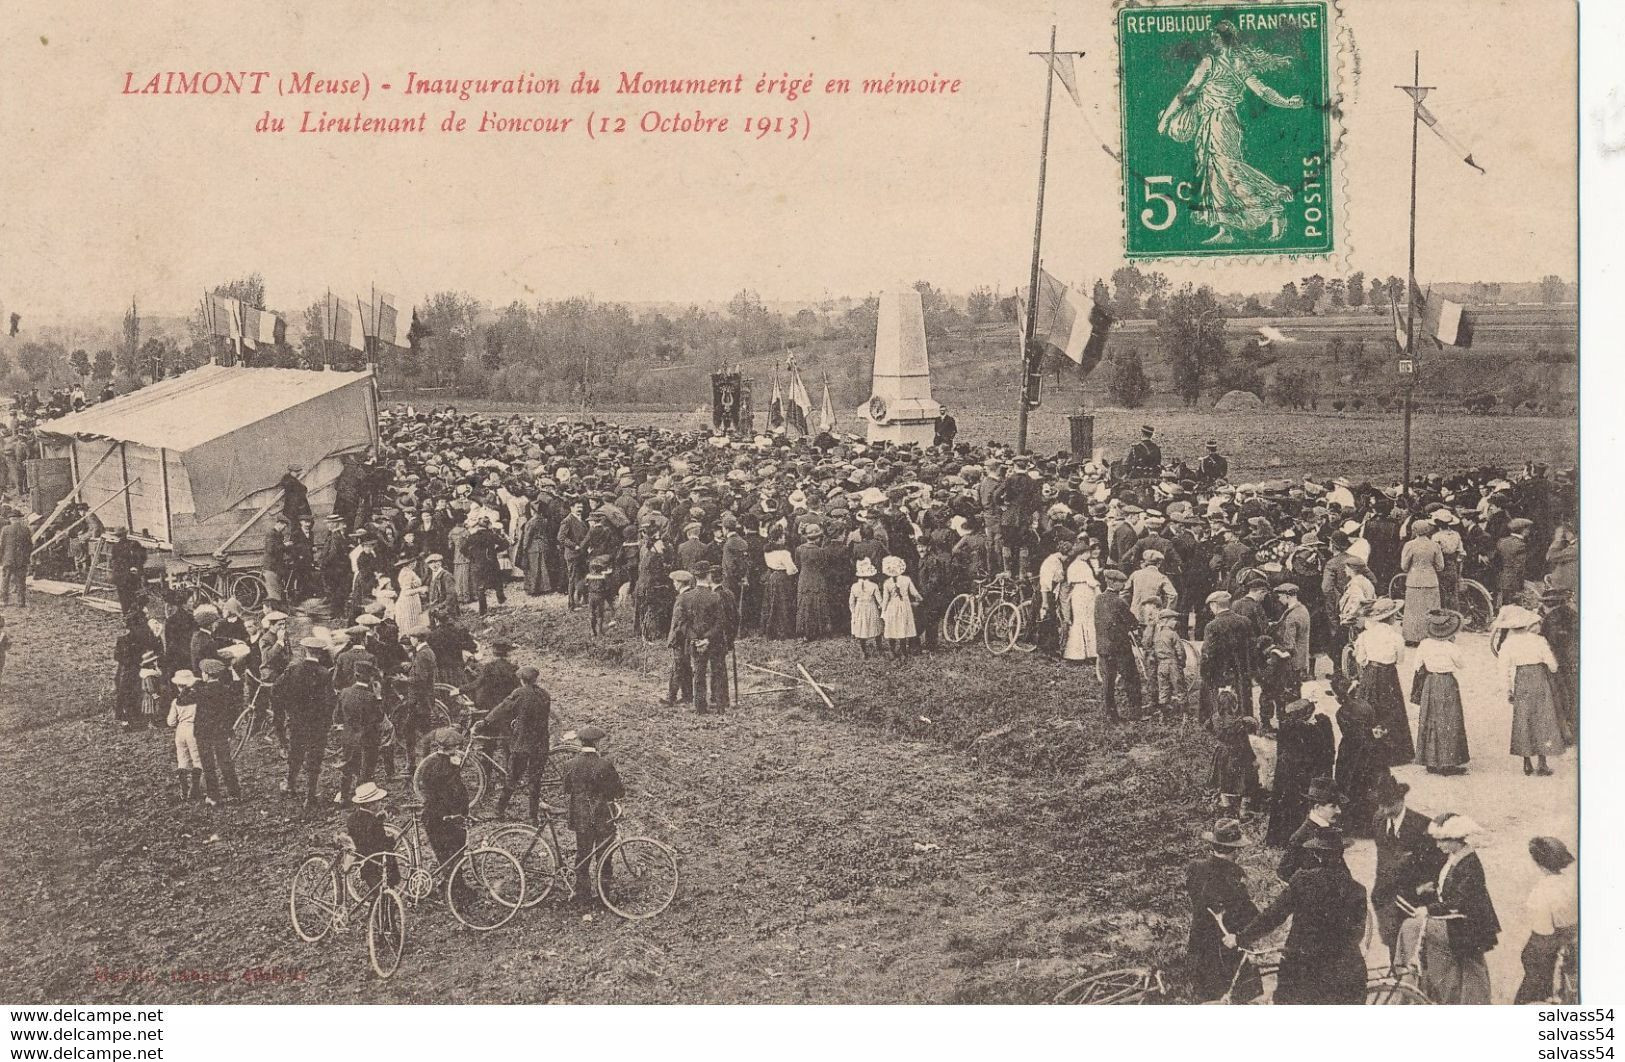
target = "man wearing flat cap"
x: 680, y: 685
x: 700, y: 621
x: 1227, y: 651
x: 303, y: 696
x: 1115, y: 628
x: 591, y: 785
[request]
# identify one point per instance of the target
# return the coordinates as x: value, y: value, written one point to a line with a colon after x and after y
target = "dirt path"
x: 1512, y: 808
x: 822, y: 863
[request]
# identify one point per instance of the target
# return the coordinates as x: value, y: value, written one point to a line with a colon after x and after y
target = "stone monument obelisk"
x: 900, y: 408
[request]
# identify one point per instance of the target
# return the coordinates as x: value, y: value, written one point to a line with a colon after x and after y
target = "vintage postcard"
x: 820, y: 503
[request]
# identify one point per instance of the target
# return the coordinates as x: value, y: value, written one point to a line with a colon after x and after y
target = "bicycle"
x: 1473, y: 601
x: 214, y: 582
x: 482, y: 771
x: 1009, y: 619
x: 644, y: 870
x: 484, y: 887
x: 966, y: 614
x: 326, y: 892
x: 255, y: 719
x: 1129, y: 986
x: 1401, y: 983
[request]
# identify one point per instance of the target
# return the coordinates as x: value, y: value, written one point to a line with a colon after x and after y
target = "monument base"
x: 921, y: 433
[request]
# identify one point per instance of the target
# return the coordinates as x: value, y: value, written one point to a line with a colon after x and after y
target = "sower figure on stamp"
x: 1234, y: 196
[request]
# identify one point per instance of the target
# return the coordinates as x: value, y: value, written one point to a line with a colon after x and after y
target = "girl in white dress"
x: 864, y: 604
x: 898, y: 596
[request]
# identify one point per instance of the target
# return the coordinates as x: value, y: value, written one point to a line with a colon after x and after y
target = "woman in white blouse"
x: 1530, y: 667
x: 1553, y: 910
x: 1441, y: 730
x: 1083, y: 583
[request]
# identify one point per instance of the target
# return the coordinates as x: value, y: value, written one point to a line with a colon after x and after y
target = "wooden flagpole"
x: 1028, y: 360
x: 1416, y: 91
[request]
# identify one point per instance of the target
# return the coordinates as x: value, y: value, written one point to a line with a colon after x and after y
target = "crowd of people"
x: 1201, y: 598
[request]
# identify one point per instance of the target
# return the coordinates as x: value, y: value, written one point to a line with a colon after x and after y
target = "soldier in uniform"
x: 1213, y: 466
x: 1145, y: 456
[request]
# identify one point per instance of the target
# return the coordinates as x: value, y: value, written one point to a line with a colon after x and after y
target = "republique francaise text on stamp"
x: 1227, y: 129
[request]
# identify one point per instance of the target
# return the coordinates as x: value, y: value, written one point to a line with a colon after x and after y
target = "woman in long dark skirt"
x: 1377, y: 651
x: 1362, y: 755
x: 816, y: 586
x: 1303, y: 752
x: 1441, y: 729
x: 779, y: 600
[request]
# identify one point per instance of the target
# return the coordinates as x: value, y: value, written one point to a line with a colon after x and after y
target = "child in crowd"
x: 597, y: 592
x: 864, y: 603
x: 898, y: 597
x: 1168, y: 659
x: 1235, y: 767
x: 182, y: 715
x: 154, y: 695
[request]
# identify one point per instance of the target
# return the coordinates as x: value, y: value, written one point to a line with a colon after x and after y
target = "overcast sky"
x: 106, y: 196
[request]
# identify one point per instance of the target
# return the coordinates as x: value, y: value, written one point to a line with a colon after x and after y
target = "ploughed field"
x: 958, y: 828
x: 1267, y: 444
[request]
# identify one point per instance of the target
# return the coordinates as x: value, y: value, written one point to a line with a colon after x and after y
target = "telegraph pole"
x: 1029, y: 362
x: 1417, y: 91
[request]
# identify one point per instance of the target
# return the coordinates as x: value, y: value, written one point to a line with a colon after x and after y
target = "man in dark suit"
x: 1145, y: 456
x: 1213, y: 467
x: 1511, y: 560
x: 1227, y: 651
x: 304, y: 697
x: 1115, y: 626
x: 1218, y: 890
x: 1325, y: 808
x: 127, y: 561
x: 1406, y: 856
x: 703, y: 624
x: 527, y: 712
x: 1321, y: 960
x: 591, y: 785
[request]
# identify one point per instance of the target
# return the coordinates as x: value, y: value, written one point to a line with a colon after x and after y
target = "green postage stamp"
x: 1227, y: 129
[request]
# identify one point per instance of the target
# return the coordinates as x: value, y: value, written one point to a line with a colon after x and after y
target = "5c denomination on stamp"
x: 1227, y: 129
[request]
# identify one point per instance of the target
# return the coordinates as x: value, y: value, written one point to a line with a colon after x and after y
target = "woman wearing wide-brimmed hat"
x: 1441, y: 730
x: 1376, y: 652
x: 1218, y: 890
x: 1530, y: 671
x: 1453, y: 967
x: 1420, y: 561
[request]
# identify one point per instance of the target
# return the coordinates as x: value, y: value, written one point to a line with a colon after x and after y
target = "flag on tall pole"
x: 826, y: 414
x: 775, y: 409
x: 1069, y: 323
x: 1418, y: 93
x: 1399, y: 326
x: 1447, y: 323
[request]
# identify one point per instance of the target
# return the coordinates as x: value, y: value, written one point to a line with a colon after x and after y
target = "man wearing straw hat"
x: 1219, y: 899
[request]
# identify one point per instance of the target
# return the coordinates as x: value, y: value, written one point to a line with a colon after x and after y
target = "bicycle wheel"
x: 1396, y: 587
x: 313, y: 899
x: 553, y: 769
x: 242, y: 731
x: 486, y: 887
x: 1385, y: 993
x: 417, y: 876
x: 535, y: 854
x: 1002, y: 628
x: 961, y: 619
x: 1114, y: 987
x: 386, y: 932
x: 637, y: 877
x: 250, y: 591
x: 356, y: 885
x: 1476, y: 606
